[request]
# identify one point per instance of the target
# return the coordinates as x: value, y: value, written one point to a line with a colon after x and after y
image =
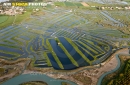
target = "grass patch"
x: 65, y: 83
x: 22, y: 17
x: 78, y: 4
x: 59, y: 4
x: 69, y: 4
x: 94, y: 4
x: 12, y: 53
x: 88, y: 47
x: 47, y: 59
x: 3, y: 18
x: 8, y: 22
x: 34, y: 83
x: 10, y: 46
x: 17, y: 18
x: 7, y: 41
x: 18, y: 41
x: 49, y: 6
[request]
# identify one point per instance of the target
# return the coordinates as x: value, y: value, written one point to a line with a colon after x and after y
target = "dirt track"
x: 84, y: 4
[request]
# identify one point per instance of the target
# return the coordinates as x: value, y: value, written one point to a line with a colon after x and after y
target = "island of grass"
x: 65, y: 83
x: 34, y: 83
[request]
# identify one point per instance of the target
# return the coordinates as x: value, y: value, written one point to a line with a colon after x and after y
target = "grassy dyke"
x: 105, y: 45
x: 31, y: 48
x: 19, y: 42
x: 37, y: 31
x: 88, y: 47
x: 87, y: 52
x: 54, y: 54
x: 67, y: 53
x: 47, y: 59
x: 42, y: 40
x: 90, y: 42
x: 78, y: 51
x: 12, y: 53
x: 10, y: 46
x: 8, y: 42
x: 101, y: 51
x: 8, y: 58
x: 100, y: 42
x: 33, y: 62
x: 94, y: 4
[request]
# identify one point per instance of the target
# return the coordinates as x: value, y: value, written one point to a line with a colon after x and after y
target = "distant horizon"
x: 3, y: 0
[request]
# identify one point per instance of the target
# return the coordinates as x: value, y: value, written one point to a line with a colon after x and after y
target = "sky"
x: 3, y: 0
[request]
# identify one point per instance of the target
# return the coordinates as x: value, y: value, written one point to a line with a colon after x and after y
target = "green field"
x: 59, y: 4
x: 22, y: 17
x: 13, y: 19
x: 78, y: 4
x: 3, y: 18
x: 7, y: 23
x: 94, y: 4
x: 68, y: 4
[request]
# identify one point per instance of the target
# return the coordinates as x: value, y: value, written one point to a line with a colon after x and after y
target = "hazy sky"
x: 3, y: 0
